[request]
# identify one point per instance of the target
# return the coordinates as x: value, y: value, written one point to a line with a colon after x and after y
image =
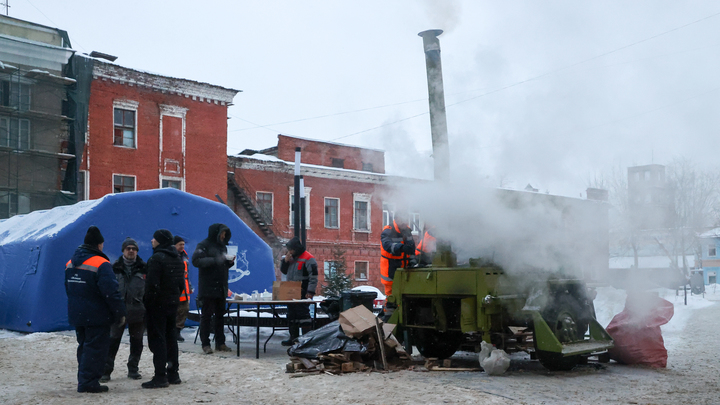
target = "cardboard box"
x: 357, y: 321
x: 286, y: 290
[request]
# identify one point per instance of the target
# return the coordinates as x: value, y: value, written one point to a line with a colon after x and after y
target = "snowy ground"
x: 41, y: 368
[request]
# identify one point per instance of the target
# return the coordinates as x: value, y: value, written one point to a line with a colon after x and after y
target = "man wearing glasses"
x: 130, y: 271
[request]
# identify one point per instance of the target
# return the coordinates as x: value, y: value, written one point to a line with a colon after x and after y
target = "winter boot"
x: 174, y: 378
x: 105, y: 377
x: 207, y: 350
x: 179, y: 335
x: 294, y: 330
x: 156, y: 383
x: 222, y: 348
x: 95, y: 389
x: 132, y: 364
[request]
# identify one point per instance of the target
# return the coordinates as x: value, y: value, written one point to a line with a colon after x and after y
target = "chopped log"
x: 307, y: 363
x: 447, y: 363
x: 348, y: 367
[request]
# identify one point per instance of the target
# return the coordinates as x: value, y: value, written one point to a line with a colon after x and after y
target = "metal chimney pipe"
x: 436, y: 93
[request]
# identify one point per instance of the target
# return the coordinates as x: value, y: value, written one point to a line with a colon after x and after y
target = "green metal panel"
x: 418, y: 281
x: 468, y: 314
x: 544, y: 337
x: 456, y: 281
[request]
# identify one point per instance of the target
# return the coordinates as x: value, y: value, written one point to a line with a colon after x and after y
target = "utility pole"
x: 7, y: 7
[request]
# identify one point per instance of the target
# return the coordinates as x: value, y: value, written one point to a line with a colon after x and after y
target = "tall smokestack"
x: 436, y: 93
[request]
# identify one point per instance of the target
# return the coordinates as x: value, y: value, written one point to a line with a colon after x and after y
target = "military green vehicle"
x: 443, y: 309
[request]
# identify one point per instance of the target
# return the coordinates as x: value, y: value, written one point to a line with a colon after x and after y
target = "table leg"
x: 257, y: 333
x: 237, y: 323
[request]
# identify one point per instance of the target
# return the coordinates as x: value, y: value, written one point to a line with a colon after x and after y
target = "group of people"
x: 152, y: 296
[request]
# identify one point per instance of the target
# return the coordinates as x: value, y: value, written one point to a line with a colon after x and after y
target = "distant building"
x: 347, y: 200
x: 149, y: 131
x: 34, y: 117
x: 710, y: 246
x: 648, y: 199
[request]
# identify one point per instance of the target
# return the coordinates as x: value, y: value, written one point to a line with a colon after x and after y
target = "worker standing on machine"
x: 397, y: 251
x: 426, y: 247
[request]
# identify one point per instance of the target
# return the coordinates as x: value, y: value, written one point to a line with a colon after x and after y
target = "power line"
x: 51, y: 21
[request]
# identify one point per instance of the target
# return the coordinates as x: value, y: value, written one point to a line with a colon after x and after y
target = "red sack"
x: 636, y: 330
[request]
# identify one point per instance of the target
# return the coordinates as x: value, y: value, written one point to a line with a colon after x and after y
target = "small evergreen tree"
x: 337, y: 279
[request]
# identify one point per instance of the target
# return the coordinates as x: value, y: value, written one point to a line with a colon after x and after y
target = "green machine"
x: 441, y: 309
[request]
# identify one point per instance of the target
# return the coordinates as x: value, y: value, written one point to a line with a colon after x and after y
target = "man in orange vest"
x: 397, y: 251
x: 94, y: 304
x: 427, y: 246
x: 184, y: 306
x: 299, y: 265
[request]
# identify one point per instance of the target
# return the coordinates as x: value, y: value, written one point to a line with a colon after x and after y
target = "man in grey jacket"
x: 130, y: 271
x: 299, y: 265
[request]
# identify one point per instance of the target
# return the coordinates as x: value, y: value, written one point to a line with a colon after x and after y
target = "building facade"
x: 348, y: 200
x: 710, y: 247
x: 33, y: 123
x: 148, y: 131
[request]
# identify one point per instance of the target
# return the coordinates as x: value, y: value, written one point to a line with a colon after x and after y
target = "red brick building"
x: 147, y: 131
x: 348, y: 200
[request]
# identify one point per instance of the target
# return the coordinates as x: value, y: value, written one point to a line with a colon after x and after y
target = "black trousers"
x: 135, y: 330
x: 162, y: 340
x: 212, y: 307
x: 93, y: 346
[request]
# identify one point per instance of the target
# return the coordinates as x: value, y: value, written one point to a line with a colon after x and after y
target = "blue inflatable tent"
x: 35, y: 247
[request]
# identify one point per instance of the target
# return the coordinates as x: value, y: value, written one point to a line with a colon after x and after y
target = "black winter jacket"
x: 209, y: 258
x: 165, y: 279
x: 132, y: 287
x: 93, y: 297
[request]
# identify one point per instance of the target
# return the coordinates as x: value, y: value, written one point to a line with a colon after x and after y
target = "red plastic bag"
x: 636, y: 330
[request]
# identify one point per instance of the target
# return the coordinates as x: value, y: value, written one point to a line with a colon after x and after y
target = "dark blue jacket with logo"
x: 92, y: 289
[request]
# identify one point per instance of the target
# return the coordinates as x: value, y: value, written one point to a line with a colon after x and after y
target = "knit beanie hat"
x: 129, y: 242
x: 163, y: 236
x: 177, y: 239
x: 93, y: 237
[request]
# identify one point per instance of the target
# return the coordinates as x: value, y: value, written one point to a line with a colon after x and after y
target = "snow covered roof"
x: 42, y: 224
x: 648, y: 262
x: 713, y: 233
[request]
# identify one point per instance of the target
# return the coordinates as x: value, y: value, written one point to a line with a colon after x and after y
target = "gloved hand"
x: 408, y: 249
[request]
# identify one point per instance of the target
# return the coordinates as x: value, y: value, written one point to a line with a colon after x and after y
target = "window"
x: 367, y: 167
x: 177, y: 184
x: 647, y: 175
x: 332, y: 219
x: 13, y: 204
x: 82, y: 191
x: 414, y: 222
x: 388, y: 212
x: 361, y: 212
x: 307, y: 207
x: 712, y: 279
x: 334, y: 162
x: 124, y: 128
x: 330, y: 268
x: 15, y: 95
x: 15, y: 133
x: 712, y: 252
x: 361, y: 270
x: 122, y: 184
x: 265, y: 204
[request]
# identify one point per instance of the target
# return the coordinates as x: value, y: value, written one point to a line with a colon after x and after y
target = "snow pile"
x: 9, y: 334
x: 40, y: 224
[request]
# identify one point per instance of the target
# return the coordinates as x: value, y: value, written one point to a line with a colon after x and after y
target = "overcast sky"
x: 541, y: 92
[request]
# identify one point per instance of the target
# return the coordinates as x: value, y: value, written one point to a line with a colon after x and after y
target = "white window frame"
x: 415, y: 218
x: 272, y: 204
x: 388, y: 213
x: 338, y: 212
x: 86, y: 183
x: 364, y: 197
x: 129, y: 105
x: 367, y: 270
x: 171, y: 178
x: 7, y: 128
x: 307, y: 206
x: 124, y: 175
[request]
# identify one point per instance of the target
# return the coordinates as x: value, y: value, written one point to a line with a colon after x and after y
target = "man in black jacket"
x: 163, y: 285
x: 130, y: 272
x: 210, y: 257
x: 94, y: 304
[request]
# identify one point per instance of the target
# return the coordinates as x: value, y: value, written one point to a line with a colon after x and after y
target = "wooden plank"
x: 348, y: 367
x: 307, y: 363
x: 381, y: 339
x: 454, y: 369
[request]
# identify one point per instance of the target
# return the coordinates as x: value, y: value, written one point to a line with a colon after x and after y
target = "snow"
x: 648, y: 262
x: 713, y: 233
x: 7, y: 334
x: 43, y: 224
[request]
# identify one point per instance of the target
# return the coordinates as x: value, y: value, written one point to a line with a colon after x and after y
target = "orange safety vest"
x: 186, y: 292
x: 91, y: 264
x: 385, y: 258
x: 427, y: 244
